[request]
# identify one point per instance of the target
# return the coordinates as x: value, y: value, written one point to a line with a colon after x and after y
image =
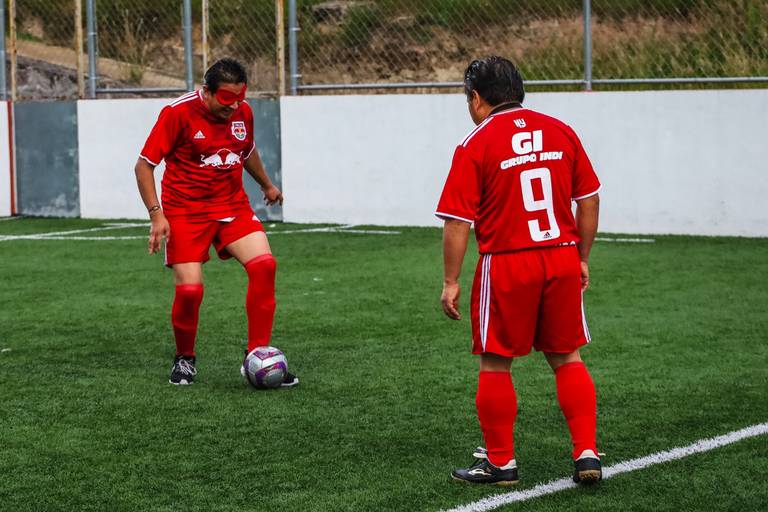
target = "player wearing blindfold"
x: 206, y: 140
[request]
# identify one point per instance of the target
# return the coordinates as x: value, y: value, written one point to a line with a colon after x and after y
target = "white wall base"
x: 5, y: 163
x: 111, y: 133
x: 685, y: 162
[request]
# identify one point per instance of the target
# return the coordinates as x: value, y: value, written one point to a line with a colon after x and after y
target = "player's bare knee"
x: 556, y: 360
x: 494, y: 363
x: 188, y: 273
x: 249, y: 247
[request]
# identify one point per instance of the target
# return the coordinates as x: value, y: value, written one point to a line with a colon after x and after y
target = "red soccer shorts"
x: 528, y: 299
x: 190, y: 240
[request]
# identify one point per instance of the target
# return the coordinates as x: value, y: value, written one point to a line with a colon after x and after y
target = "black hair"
x: 225, y: 71
x: 495, y: 79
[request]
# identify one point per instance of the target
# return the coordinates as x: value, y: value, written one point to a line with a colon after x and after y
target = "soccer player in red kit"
x: 515, y: 177
x: 206, y: 140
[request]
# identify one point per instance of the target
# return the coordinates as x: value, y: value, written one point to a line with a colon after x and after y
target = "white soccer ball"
x: 265, y: 367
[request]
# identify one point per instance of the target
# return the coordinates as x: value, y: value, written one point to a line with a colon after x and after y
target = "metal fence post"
x: 293, y: 54
x: 3, y: 86
x: 79, y: 48
x: 12, y: 38
x: 587, y: 45
x: 90, y: 14
x: 280, y: 45
x: 188, y: 44
x: 204, y: 27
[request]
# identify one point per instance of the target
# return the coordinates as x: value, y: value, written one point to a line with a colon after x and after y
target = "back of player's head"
x: 495, y: 79
x: 225, y: 71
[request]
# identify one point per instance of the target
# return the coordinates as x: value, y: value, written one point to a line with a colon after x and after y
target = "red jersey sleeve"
x: 461, y: 195
x: 163, y: 137
x: 585, y: 182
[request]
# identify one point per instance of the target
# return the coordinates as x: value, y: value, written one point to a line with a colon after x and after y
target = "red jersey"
x: 515, y: 176
x: 204, y: 158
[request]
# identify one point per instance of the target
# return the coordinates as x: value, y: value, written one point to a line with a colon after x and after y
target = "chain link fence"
x: 245, y: 30
x: 44, y: 46
x: 391, y: 43
x: 139, y: 45
x: 432, y: 41
x: 680, y: 38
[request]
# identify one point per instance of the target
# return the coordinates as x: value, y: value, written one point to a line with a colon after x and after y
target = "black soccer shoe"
x: 289, y: 380
x: 483, y: 472
x: 183, y: 371
x: 587, y: 468
x: 480, y: 454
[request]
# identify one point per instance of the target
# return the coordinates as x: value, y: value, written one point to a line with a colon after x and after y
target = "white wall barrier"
x: 377, y: 159
x: 684, y: 162
x: 5, y: 162
x: 111, y: 133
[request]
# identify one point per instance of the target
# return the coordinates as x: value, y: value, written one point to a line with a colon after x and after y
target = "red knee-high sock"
x: 497, y: 409
x: 184, y: 316
x: 576, y: 394
x: 260, y: 299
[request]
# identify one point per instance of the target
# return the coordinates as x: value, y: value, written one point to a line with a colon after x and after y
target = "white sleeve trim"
x: 476, y: 130
x: 447, y: 216
x: 588, y: 195
x: 148, y: 160
x: 253, y: 146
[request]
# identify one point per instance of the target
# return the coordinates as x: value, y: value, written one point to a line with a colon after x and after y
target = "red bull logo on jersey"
x: 238, y: 130
x: 222, y: 159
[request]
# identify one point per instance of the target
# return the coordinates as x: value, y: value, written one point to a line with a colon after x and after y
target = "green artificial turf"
x: 385, y: 408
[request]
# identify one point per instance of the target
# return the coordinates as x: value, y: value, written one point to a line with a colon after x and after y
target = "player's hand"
x: 159, y: 231
x: 272, y: 195
x: 584, y: 276
x: 450, y: 300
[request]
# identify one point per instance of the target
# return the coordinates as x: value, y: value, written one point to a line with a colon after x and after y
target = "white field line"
x: 64, y: 235
x: 88, y: 238
x: 562, y: 484
x: 334, y: 230
x: 330, y: 229
x: 308, y: 230
x: 2, y: 219
x: 626, y: 240
x: 347, y: 228
x: 368, y: 231
x: 53, y: 234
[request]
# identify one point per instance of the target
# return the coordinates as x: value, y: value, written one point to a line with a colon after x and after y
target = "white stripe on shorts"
x: 485, y: 298
x: 584, y: 320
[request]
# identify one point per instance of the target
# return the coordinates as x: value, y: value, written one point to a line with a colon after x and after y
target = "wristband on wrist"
x: 154, y: 209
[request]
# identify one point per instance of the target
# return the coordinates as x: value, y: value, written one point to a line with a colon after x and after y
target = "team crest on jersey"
x: 238, y: 130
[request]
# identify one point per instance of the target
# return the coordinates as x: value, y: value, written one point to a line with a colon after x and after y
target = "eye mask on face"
x: 227, y: 98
